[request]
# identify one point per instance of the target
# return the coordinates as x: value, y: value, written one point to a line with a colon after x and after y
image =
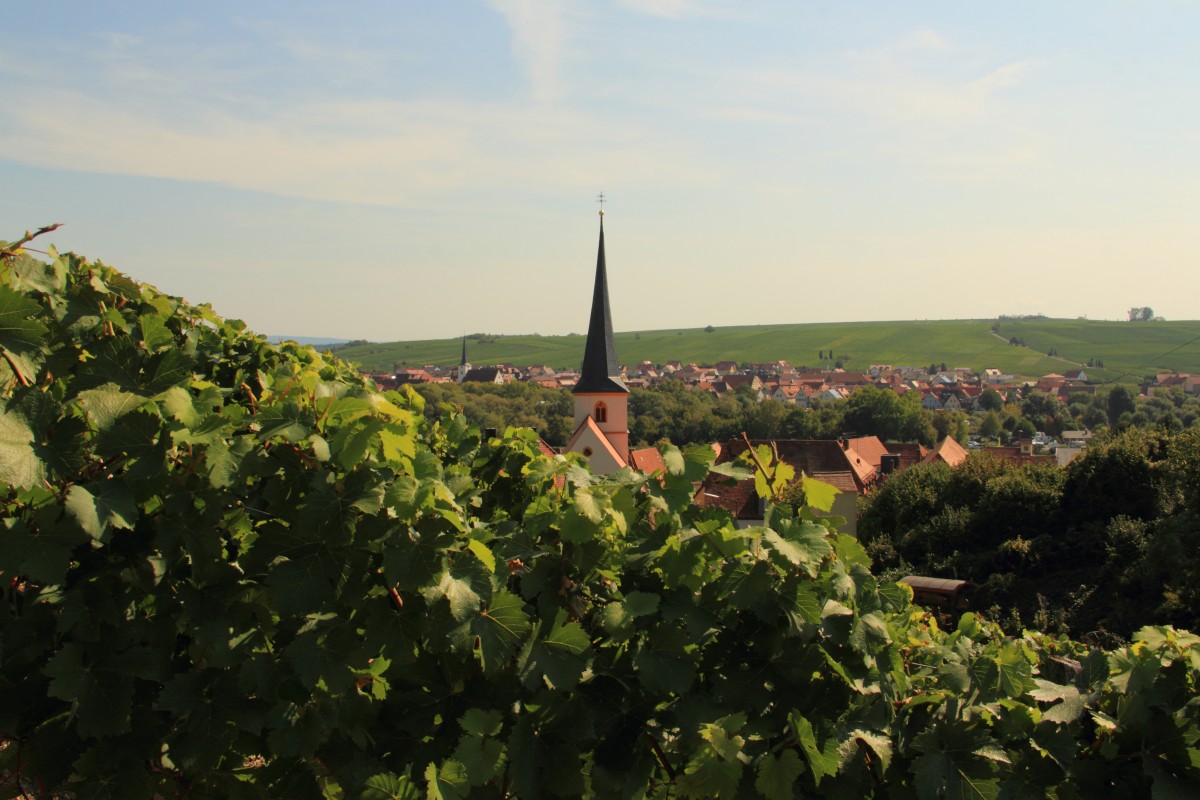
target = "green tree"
x: 1119, y: 402
x: 1022, y: 428
x: 1046, y: 412
x: 990, y: 426
x: 950, y: 423
x: 872, y: 411
x: 990, y: 400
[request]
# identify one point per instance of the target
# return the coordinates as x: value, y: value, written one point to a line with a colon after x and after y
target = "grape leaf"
x: 20, y: 465
x: 560, y: 656
x: 100, y: 507
x: 501, y: 627
x: 457, y: 591
x: 387, y: 786
x: 108, y: 403
x: 777, y: 775
x: 18, y: 332
x: 819, y: 494
x: 1069, y: 710
x: 640, y: 604
x: 822, y: 760
x: 447, y: 782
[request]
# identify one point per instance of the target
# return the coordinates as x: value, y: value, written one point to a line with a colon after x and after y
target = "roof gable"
x: 589, y: 435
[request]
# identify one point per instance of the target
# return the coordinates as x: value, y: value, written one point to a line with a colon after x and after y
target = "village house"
x: 1184, y: 382
x: 948, y: 452
x: 485, y: 375
x: 826, y: 460
x: 404, y: 376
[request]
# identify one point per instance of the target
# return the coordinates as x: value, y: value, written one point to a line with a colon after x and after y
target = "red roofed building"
x: 867, y: 448
x: 413, y: 376
x: 647, y: 460
x: 910, y: 453
x: 837, y: 378
x: 1020, y: 456
x: 1050, y: 383
x: 823, y: 459
x: 948, y: 451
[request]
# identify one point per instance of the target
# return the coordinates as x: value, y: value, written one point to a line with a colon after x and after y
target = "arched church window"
x: 600, y: 413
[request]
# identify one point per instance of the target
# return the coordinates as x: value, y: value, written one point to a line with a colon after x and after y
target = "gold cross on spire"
x: 600, y: 200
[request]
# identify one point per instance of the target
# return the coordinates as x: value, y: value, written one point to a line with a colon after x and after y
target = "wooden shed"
x: 941, y: 592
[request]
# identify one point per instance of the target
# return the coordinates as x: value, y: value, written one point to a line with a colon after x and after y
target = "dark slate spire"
x: 600, y: 372
x: 463, y: 363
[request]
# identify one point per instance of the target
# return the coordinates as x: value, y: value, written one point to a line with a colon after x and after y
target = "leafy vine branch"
x: 237, y: 569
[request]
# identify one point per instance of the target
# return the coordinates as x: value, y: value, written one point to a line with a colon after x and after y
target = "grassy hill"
x: 1129, y: 350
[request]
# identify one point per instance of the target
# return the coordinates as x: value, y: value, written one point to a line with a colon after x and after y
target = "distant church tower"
x: 463, y: 366
x: 601, y: 397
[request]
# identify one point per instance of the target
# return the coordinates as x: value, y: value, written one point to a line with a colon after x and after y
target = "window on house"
x: 600, y: 413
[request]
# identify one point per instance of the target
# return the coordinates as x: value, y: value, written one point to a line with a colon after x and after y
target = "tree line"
x: 674, y: 413
x: 1102, y: 547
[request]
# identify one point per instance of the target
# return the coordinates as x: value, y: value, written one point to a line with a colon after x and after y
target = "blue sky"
x: 404, y: 170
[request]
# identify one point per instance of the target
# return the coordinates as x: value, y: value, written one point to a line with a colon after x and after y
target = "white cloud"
x: 660, y: 8
x: 379, y: 152
x: 924, y: 39
x: 881, y: 84
x: 540, y: 32
x: 752, y: 115
x: 1007, y: 75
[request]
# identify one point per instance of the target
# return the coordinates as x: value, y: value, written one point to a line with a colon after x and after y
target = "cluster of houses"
x: 1182, y: 381
x: 852, y: 465
x: 954, y: 389
x: 855, y: 466
x: 600, y: 389
x: 957, y: 389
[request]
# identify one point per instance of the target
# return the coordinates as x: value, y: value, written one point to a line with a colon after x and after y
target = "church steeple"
x: 601, y: 397
x: 600, y: 371
x: 464, y: 366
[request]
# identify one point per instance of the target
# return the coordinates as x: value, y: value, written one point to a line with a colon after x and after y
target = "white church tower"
x: 463, y: 366
x: 601, y: 396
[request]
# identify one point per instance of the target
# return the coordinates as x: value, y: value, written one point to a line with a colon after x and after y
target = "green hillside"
x: 1127, y: 349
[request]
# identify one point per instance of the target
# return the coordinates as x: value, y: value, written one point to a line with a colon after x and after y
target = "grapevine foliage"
x: 234, y: 569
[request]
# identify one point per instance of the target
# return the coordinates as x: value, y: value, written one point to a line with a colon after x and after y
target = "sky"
x: 410, y: 170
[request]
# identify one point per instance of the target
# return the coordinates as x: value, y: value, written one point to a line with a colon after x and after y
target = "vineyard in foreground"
x: 236, y: 570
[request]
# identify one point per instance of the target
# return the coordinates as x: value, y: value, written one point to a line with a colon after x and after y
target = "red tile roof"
x: 910, y: 452
x: 822, y: 459
x: 868, y: 448
x: 948, y: 451
x: 842, y: 481
x: 647, y: 460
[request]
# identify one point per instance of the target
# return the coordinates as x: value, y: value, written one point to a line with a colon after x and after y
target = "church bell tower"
x: 601, y: 396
